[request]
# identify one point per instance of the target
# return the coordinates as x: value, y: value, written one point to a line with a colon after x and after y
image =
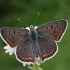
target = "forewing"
x: 24, y: 52
x: 53, y: 30
x: 14, y: 35
x: 48, y: 48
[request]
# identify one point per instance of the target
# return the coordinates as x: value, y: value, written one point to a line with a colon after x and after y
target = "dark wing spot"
x: 14, y: 32
x: 9, y: 31
x: 53, y: 31
x: 13, y: 38
x: 56, y: 23
x: 18, y: 32
x: 21, y: 52
x: 46, y: 27
x: 57, y: 26
x: 12, y: 35
x: 51, y: 26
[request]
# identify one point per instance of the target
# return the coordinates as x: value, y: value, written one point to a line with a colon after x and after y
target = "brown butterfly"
x: 39, y: 42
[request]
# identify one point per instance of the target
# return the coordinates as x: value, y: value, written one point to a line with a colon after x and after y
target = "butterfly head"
x: 32, y: 28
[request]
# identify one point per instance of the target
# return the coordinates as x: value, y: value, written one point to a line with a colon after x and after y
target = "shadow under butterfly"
x: 36, y: 42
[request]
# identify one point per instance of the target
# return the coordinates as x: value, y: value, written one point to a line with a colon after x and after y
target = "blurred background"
x: 27, y: 10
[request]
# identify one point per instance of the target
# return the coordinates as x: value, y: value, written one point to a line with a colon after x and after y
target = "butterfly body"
x: 35, y: 42
x: 33, y: 36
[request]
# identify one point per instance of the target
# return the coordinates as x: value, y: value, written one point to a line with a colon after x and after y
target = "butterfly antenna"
x: 21, y: 21
x: 37, y: 17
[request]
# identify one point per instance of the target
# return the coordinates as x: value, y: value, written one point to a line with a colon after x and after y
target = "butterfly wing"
x: 24, y: 52
x: 48, y: 48
x: 54, y: 30
x: 13, y: 36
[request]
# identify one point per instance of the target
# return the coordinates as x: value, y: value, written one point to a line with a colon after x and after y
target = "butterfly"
x: 35, y: 42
